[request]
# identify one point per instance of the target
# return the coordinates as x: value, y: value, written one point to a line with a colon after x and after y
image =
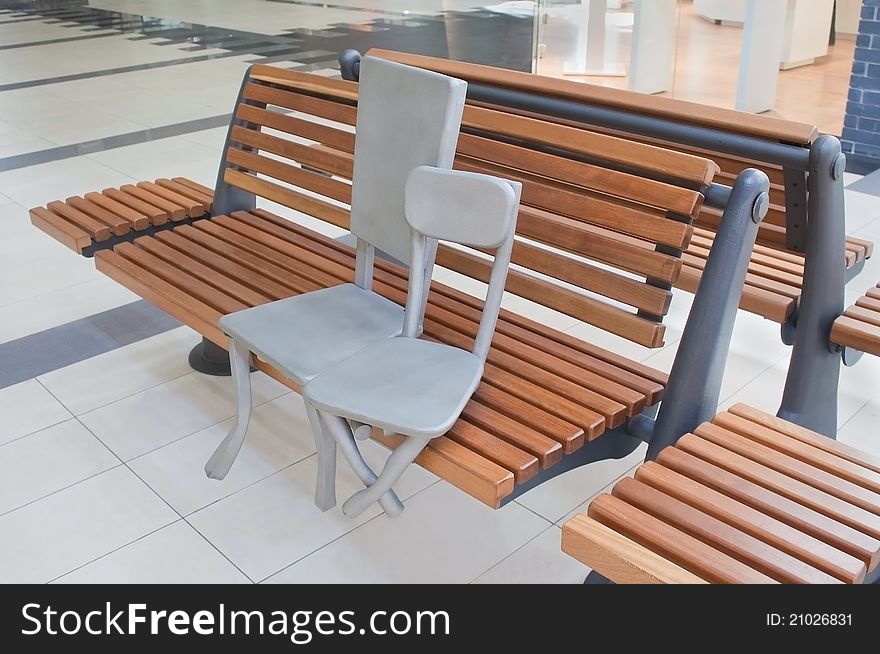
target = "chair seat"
x: 402, y: 385
x: 306, y: 334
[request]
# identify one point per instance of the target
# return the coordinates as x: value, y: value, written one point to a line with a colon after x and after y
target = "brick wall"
x: 861, y: 125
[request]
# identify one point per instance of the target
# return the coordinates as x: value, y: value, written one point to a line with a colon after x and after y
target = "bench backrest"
x: 768, y: 128
x: 615, y: 214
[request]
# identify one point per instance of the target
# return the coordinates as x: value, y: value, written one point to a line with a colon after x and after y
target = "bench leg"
x: 221, y: 461
x: 810, y: 396
x: 395, y: 466
x: 325, y: 488
x: 209, y: 358
x: 340, y: 430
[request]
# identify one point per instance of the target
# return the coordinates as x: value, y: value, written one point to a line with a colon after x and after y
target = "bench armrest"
x: 695, y: 380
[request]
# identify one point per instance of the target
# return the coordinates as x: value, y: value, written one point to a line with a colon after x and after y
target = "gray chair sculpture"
x: 406, y: 118
x: 405, y: 385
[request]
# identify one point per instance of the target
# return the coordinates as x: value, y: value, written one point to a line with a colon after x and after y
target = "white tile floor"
x: 101, y: 462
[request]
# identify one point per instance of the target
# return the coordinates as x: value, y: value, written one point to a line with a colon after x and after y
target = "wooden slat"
x: 219, y: 279
x: 474, y: 474
x: 304, y: 81
x: 206, y: 200
x: 304, y: 154
x: 629, y: 325
x: 618, y: 558
x: 577, y: 237
x: 680, y: 548
x: 523, y: 465
x: 645, y: 223
x: 288, y: 197
x: 291, y: 174
x: 861, y: 314
x: 598, y: 280
x: 659, y: 161
x: 193, y: 209
x: 867, y: 302
x: 62, y: 231
x: 858, y: 335
x: 207, y: 250
x: 340, y: 113
x: 795, y: 468
x: 768, y: 127
x: 614, y: 412
x: 196, y: 289
x: 757, y: 524
x: 548, y: 451
x: 329, y: 136
x: 797, y: 449
x: 174, y: 210
x: 718, y: 534
x: 650, y: 192
x: 117, y: 224
x: 841, y: 510
x: 201, y: 188
x: 130, y: 207
x: 98, y: 230
x: 569, y: 435
x: 850, y: 536
x: 767, y: 304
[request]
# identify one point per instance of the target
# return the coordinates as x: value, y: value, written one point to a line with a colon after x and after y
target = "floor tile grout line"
x: 505, y: 558
x: 59, y: 490
x: 352, y: 530
x: 219, y: 551
x: 177, y: 513
x: 115, y: 549
x: 124, y: 397
x: 855, y: 413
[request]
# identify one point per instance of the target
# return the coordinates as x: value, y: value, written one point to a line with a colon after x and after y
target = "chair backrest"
x: 407, y: 117
x: 469, y: 209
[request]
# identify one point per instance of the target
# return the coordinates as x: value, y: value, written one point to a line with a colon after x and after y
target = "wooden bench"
x: 859, y: 326
x: 596, y: 242
x: 745, y: 498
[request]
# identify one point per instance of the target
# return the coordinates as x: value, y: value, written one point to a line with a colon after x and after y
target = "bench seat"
x: 775, y: 277
x: 747, y: 498
x: 83, y: 223
x: 543, y: 394
x: 859, y: 326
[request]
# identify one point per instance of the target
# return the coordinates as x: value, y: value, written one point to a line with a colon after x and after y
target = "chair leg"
x: 325, y: 487
x: 337, y: 426
x: 221, y: 461
x: 395, y: 466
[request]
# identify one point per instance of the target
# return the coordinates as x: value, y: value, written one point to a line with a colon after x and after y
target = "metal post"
x: 691, y: 396
x: 810, y: 396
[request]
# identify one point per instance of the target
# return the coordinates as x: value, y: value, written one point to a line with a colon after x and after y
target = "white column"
x: 591, y: 43
x: 652, y: 53
x: 761, y: 51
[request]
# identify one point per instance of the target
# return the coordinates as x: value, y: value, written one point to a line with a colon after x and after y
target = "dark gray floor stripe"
x: 37, y: 354
x: 111, y: 142
x: 54, y: 41
x: 129, y: 69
